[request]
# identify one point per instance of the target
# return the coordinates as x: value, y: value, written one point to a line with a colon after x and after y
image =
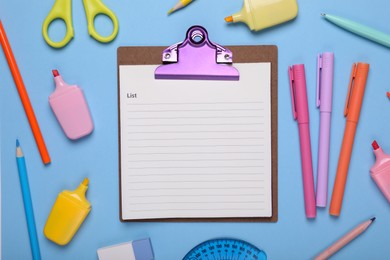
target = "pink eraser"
x: 70, y: 108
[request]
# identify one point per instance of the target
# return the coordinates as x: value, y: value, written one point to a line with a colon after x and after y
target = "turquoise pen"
x: 32, y: 231
x: 359, y: 29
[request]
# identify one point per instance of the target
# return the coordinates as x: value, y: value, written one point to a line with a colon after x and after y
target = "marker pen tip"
x: 375, y: 145
x: 229, y: 19
x: 85, y: 182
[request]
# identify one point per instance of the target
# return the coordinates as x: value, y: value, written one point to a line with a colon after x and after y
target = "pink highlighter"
x: 71, y: 109
x: 380, y: 171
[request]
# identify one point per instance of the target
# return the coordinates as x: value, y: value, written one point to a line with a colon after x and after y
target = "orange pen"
x: 353, y: 104
x: 24, y: 96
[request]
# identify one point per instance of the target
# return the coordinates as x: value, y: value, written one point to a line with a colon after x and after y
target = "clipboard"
x: 140, y: 55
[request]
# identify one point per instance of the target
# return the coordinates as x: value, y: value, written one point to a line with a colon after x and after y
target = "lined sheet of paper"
x: 195, y: 149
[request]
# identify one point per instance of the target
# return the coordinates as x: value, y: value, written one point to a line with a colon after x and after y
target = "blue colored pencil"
x: 32, y: 231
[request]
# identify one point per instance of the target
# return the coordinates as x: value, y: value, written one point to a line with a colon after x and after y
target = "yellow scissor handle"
x: 96, y: 7
x: 60, y: 10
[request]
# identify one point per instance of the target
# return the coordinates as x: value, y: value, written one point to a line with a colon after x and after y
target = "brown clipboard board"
x: 242, y: 54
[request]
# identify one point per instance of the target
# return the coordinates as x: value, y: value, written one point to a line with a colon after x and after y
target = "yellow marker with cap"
x: 261, y: 14
x: 67, y: 214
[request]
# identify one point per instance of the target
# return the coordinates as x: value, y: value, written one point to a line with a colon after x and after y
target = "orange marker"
x: 357, y: 85
x: 24, y: 96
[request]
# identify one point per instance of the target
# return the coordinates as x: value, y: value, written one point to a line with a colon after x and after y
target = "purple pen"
x: 324, y: 102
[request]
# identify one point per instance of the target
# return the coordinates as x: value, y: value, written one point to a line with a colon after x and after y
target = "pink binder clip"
x: 197, y: 58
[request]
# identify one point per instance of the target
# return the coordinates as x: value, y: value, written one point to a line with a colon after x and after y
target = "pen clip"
x: 319, y: 75
x: 291, y: 79
x: 350, y: 87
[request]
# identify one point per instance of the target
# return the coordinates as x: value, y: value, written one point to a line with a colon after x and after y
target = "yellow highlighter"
x: 67, y: 214
x: 261, y: 14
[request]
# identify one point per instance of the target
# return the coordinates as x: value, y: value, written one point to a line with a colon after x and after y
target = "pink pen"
x: 301, y: 113
x: 324, y: 102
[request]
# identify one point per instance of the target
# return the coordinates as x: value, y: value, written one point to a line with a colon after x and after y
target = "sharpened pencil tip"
x: 19, y: 152
x: 170, y: 11
x: 322, y: 14
x: 373, y: 219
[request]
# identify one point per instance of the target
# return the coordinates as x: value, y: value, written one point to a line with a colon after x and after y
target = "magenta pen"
x: 301, y: 114
x: 324, y: 102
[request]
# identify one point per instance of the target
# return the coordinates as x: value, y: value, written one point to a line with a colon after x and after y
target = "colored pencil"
x: 179, y: 5
x: 28, y: 208
x: 24, y: 96
x: 351, y: 235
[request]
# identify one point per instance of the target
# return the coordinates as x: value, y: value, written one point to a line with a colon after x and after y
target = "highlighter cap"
x: 259, y: 14
x: 298, y: 93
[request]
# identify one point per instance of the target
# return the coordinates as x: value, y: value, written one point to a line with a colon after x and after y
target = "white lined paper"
x: 195, y: 149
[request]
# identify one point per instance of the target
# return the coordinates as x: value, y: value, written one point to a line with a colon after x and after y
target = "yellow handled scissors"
x: 62, y: 10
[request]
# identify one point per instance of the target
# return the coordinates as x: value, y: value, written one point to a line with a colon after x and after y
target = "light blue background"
x: 92, y: 66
